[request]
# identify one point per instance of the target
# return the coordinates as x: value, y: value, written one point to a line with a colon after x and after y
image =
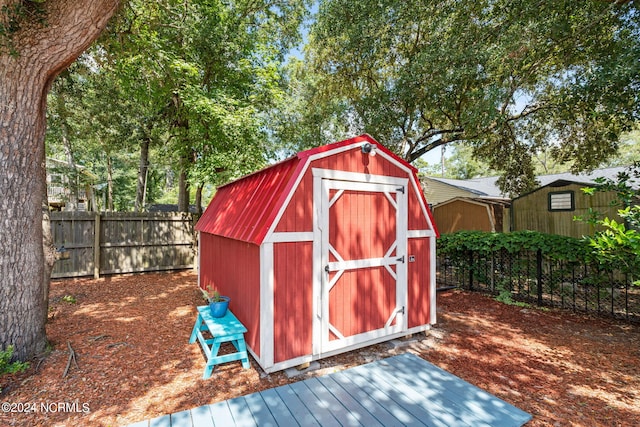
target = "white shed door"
x: 363, y: 246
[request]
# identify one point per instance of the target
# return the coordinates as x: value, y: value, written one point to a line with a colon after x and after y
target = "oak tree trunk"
x: 44, y: 45
x: 142, y: 174
x: 199, y: 199
x: 109, y: 184
x: 183, y: 192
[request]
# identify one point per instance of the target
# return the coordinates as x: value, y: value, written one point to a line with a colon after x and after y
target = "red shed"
x: 330, y: 250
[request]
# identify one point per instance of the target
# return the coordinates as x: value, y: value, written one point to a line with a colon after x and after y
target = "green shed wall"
x: 531, y: 211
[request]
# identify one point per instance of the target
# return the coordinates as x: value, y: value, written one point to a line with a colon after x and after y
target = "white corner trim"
x: 417, y: 234
x: 199, y: 255
x: 432, y: 282
x: 290, y: 236
x: 284, y: 206
x: 267, y: 279
x: 317, y: 271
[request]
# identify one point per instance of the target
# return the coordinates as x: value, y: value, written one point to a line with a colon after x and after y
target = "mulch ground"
x: 130, y: 333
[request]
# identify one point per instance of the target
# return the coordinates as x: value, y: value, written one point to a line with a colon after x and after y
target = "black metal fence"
x: 533, y: 278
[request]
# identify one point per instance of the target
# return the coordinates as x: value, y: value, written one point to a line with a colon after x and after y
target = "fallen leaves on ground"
x: 130, y: 338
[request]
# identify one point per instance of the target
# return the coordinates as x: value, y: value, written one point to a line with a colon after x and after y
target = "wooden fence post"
x: 96, y: 246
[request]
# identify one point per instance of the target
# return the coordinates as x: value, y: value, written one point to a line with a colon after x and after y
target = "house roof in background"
x: 583, y: 178
x: 477, y: 200
x: 482, y: 187
x: 487, y: 187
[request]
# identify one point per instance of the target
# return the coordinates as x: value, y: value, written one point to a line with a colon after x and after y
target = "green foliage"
x: 297, y: 122
x: 617, y: 246
x: 193, y: 81
x: 508, y: 79
x: 210, y: 294
x: 628, y: 150
x: 553, y: 246
x: 8, y: 367
x: 69, y: 299
x: 506, y: 297
x: 465, y: 246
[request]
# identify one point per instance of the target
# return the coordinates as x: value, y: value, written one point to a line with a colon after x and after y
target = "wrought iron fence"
x: 533, y: 278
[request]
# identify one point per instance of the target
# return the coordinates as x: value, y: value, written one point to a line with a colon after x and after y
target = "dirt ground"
x: 130, y: 333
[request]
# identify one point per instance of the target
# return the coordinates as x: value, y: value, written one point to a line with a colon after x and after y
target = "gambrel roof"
x: 246, y: 209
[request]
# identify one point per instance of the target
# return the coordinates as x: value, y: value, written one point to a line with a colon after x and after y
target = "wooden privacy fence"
x: 122, y: 242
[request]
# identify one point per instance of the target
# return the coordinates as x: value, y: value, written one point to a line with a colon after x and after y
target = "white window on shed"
x: 561, y: 201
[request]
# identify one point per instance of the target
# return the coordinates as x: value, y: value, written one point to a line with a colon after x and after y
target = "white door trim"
x: 324, y: 182
x: 365, y: 178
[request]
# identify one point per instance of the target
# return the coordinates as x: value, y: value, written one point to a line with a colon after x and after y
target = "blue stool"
x: 223, y: 329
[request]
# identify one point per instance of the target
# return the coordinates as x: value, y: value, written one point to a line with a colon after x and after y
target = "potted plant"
x: 218, y: 304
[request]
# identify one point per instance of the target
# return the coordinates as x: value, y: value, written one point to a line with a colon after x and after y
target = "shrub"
x: 617, y: 246
x: 8, y: 367
x: 559, y: 248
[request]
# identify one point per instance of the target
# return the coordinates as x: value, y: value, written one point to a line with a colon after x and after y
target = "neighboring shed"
x: 552, y: 208
x: 327, y: 251
x: 462, y: 213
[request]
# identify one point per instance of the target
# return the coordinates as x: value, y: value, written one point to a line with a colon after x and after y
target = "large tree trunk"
x: 43, y: 48
x: 183, y: 192
x: 142, y: 174
x: 109, y: 207
x: 199, y: 198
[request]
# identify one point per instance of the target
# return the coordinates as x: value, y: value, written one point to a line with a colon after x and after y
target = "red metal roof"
x: 245, y: 209
x: 241, y: 209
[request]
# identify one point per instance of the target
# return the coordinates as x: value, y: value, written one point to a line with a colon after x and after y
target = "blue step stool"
x: 223, y: 329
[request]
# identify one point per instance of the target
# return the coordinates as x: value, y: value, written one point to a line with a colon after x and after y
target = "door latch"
x: 401, y: 259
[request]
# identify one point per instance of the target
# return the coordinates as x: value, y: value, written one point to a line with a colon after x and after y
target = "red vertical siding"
x: 298, y: 216
x: 418, y: 281
x: 362, y: 300
x: 356, y: 161
x: 362, y: 225
x: 417, y: 220
x: 233, y: 268
x: 293, y: 299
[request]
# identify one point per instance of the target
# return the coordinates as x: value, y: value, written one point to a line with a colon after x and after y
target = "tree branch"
x: 66, y: 29
x: 455, y: 132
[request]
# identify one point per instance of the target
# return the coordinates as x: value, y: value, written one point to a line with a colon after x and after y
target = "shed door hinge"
x: 400, y: 190
x: 401, y: 259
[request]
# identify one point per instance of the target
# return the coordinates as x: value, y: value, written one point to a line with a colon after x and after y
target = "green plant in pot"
x: 218, y: 304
